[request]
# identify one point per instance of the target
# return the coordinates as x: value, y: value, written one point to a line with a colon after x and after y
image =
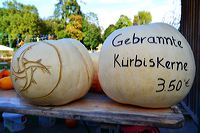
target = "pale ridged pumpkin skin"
x: 52, y: 72
x: 157, y: 70
x: 95, y: 87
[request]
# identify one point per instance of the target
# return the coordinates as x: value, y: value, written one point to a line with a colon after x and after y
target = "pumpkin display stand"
x: 97, y: 108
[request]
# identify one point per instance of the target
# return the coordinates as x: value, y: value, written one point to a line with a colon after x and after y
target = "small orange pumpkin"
x: 6, y: 83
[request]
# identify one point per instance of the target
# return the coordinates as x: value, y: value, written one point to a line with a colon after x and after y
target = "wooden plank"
x: 96, y: 107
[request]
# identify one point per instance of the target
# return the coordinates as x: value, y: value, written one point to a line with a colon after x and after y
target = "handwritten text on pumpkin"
x: 119, y: 40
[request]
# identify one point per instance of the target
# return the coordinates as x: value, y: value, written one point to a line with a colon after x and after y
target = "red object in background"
x: 5, y: 80
x: 139, y: 129
x: 71, y: 123
x: 4, y: 73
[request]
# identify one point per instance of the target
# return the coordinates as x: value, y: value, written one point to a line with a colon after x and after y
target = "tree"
x: 108, y: 31
x: 92, y: 34
x: 65, y: 8
x: 123, y: 21
x: 69, y: 14
x: 17, y: 18
x: 74, y: 27
x: 14, y: 5
x: 92, y: 18
x: 143, y: 17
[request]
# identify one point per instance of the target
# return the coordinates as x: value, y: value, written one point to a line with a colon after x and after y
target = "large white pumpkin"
x: 149, y: 65
x: 53, y: 72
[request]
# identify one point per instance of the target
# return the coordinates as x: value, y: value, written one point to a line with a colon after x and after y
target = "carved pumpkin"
x: 53, y: 72
x: 150, y: 66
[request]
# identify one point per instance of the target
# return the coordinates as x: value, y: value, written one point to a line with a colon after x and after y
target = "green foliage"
x: 65, y: 8
x: 92, y: 18
x: 61, y: 34
x: 92, y: 34
x: 18, y: 19
x: 108, y: 31
x: 54, y: 27
x: 143, y: 17
x: 4, y: 39
x: 123, y: 21
x: 74, y: 27
x: 14, y: 5
x: 68, y: 13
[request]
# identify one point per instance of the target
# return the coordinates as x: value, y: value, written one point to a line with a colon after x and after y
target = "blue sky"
x: 109, y: 11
